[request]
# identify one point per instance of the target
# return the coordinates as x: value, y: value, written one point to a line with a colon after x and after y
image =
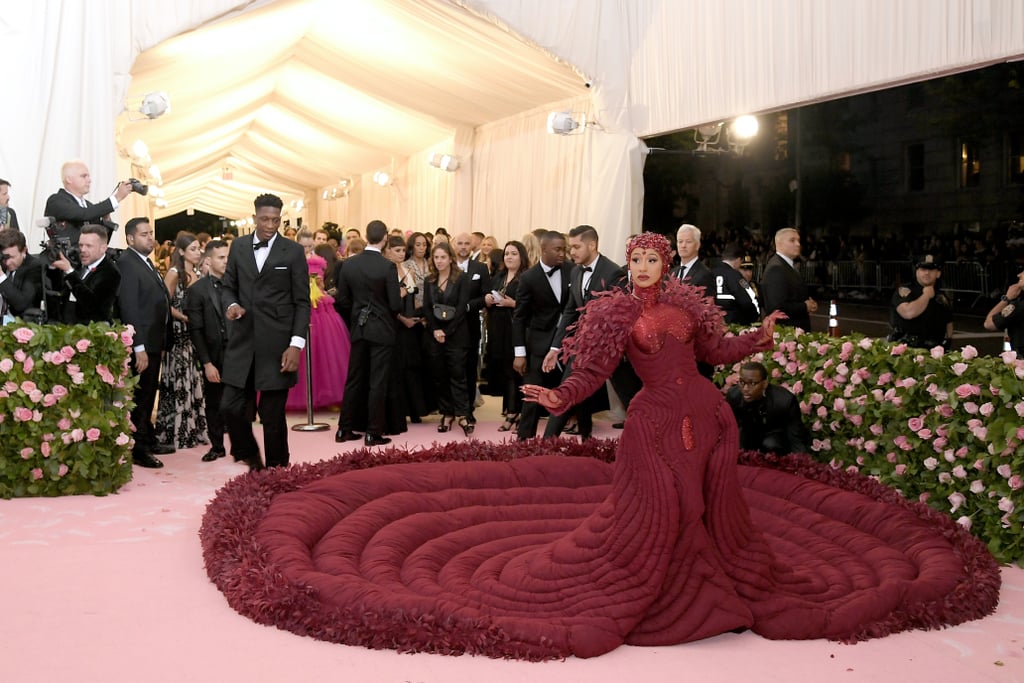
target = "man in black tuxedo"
x: 368, y: 300
x: 8, y: 219
x: 265, y: 290
x: 207, y: 327
x: 21, y: 286
x: 89, y: 292
x: 592, y: 273
x: 143, y: 303
x: 543, y: 291
x: 781, y: 285
x: 691, y: 269
x: 69, y: 205
x: 479, y: 286
x: 733, y: 294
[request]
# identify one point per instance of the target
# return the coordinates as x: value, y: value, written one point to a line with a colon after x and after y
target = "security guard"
x: 1008, y: 314
x: 731, y: 290
x: 922, y: 315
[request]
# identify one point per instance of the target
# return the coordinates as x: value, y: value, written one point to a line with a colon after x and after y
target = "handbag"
x: 443, y: 312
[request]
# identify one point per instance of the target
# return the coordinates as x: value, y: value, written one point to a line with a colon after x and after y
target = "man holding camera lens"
x: 21, y: 285
x: 90, y: 291
x: 69, y: 205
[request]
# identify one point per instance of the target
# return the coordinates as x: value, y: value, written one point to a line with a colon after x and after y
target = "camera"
x: 138, y: 186
x: 62, y: 240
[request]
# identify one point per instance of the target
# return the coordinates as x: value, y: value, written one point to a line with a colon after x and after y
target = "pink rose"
x: 956, y: 499
x: 930, y: 463
x: 92, y: 434
x: 961, y: 452
x: 964, y: 521
x: 865, y: 343
x: 64, y: 424
x: 28, y: 387
x: 36, y: 396
x: 44, y: 448
x: 823, y: 350
x: 872, y: 446
x: 829, y: 384
x: 68, y: 352
x: 1016, y: 482
x: 62, y: 470
x: 960, y: 472
x: 857, y: 420
x: 122, y: 439
x: 937, y: 352
x: 59, y: 390
x: 876, y: 429
x: 1006, y: 505
x: 798, y: 387
x: 846, y: 349
x: 891, y: 457
x: 77, y: 434
x: 915, y: 424
x: 49, y: 400
x: 1020, y: 433
x: 884, y: 378
x: 945, y: 477
x: 971, y: 407
x: 78, y: 378
x: 945, y: 410
x: 24, y: 335
x: 967, y: 390
x: 925, y: 434
x: 969, y: 353
x: 37, y: 416
x: 839, y: 405
x: 898, y: 349
x: 900, y: 470
x: 26, y: 453
x: 1008, y: 357
x: 6, y: 365
x: 1005, y: 471
x: 56, y: 358
x: 37, y: 474
x: 82, y: 345
x: 73, y: 369
x: 126, y: 337
x: 959, y: 368
x: 979, y: 465
x: 980, y: 433
x: 22, y: 414
x: 815, y: 398
x: 987, y: 409
x: 822, y: 411
x: 28, y: 365
x: 20, y: 356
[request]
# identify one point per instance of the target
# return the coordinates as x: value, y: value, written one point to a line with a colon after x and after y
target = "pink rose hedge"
x: 64, y: 405
x: 941, y: 427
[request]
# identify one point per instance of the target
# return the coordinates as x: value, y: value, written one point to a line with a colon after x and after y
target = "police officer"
x: 731, y: 290
x: 1008, y: 314
x: 922, y: 315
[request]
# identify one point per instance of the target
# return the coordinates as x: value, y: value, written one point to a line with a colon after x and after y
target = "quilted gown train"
x: 542, y: 556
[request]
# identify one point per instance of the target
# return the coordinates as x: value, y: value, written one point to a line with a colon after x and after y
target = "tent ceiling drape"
x: 298, y: 94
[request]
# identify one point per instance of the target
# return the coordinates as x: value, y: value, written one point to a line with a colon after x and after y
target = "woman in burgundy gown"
x: 549, y: 556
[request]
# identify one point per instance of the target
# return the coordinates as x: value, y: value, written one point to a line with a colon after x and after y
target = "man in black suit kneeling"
x: 368, y: 300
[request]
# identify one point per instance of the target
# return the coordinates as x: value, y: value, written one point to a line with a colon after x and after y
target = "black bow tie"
x: 552, y: 272
x: 258, y: 244
x: 588, y: 269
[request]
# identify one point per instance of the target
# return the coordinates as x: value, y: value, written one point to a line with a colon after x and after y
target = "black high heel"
x: 446, y: 423
x: 510, y: 422
x: 467, y: 426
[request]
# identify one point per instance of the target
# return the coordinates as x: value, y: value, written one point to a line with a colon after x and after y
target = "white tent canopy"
x: 294, y: 95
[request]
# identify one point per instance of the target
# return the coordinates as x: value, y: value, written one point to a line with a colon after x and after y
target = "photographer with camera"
x: 21, y: 286
x: 68, y: 205
x: 89, y: 292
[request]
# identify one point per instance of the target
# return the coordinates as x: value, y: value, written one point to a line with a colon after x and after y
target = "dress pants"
x: 270, y: 406
x: 213, y: 392
x: 531, y: 411
x: 145, y: 398
x: 472, y: 361
x: 447, y: 367
x: 366, y: 387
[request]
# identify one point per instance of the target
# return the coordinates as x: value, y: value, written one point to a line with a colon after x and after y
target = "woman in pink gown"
x: 329, y: 346
x: 550, y: 556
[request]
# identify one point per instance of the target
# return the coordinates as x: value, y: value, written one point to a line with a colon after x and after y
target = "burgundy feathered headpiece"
x: 651, y: 240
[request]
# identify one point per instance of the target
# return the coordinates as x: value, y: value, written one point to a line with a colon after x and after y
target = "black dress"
x: 502, y: 380
x: 447, y: 360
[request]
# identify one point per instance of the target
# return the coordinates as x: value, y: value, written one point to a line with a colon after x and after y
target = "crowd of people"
x: 397, y: 326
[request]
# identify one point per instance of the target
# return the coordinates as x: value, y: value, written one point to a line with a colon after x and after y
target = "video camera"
x: 62, y: 239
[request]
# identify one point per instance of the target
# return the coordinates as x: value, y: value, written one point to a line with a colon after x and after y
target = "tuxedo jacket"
x: 478, y: 285
x: 94, y: 296
x: 784, y: 290
x: 276, y: 303
x: 63, y: 206
x: 607, y: 275
x: 368, y: 297
x: 699, y: 276
x: 24, y: 289
x: 207, y: 326
x: 142, y: 301
x: 535, y: 319
x: 12, y: 220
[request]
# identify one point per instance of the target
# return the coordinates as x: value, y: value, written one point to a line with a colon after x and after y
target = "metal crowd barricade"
x: 967, y: 278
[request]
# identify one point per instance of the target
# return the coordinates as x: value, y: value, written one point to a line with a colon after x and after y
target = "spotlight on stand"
x: 562, y: 123
x: 154, y: 105
x: 741, y: 132
x: 445, y: 162
x: 738, y: 134
x: 707, y: 135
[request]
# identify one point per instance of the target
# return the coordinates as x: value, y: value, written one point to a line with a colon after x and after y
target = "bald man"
x: 69, y: 204
x: 782, y: 286
x: 479, y: 285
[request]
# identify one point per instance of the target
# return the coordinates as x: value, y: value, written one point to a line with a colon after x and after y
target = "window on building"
x: 970, y: 164
x: 1015, y: 149
x: 915, y: 167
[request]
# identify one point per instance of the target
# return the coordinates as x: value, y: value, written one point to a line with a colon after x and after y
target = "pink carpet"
x: 113, y: 589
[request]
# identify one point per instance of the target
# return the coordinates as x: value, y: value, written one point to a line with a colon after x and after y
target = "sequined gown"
x: 544, y: 556
x: 181, y: 411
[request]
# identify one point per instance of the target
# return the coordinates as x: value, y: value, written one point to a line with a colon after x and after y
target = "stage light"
x: 562, y: 123
x: 154, y: 105
x: 382, y: 178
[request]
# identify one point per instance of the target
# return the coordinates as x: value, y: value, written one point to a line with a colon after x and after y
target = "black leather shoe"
x: 144, y: 459
x: 373, y: 440
x: 162, y: 449
x: 255, y: 463
x: 341, y: 436
x: 213, y: 454
x: 618, y: 425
